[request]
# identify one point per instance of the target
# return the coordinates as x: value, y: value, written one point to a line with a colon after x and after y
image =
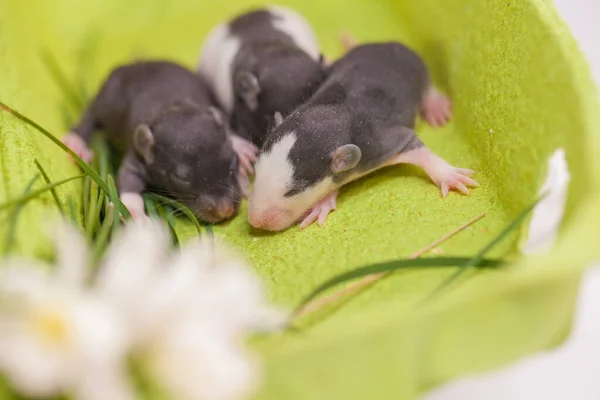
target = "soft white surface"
x: 547, y: 215
x: 573, y: 370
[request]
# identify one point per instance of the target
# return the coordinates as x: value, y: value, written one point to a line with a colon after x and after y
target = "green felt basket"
x: 520, y: 88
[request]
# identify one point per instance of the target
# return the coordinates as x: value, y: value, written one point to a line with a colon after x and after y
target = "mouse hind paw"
x: 436, y: 108
x: 455, y: 179
x: 446, y: 176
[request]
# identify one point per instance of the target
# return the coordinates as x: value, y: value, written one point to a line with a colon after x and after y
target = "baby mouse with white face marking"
x: 164, y: 119
x: 262, y: 63
x: 361, y: 119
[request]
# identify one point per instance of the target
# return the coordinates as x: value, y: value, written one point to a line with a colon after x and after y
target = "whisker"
x: 235, y: 190
x: 185, y: 196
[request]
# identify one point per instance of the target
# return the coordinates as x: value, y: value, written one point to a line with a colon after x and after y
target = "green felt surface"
x: 520, y: 89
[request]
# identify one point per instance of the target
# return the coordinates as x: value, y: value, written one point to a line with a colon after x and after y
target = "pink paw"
x: 437, y: 108
x: 321, y: 210
x: 244, y: 184
x: 135, y: 205
x: 452, y: 178
x: 247, y: 153
x: 78, y: 146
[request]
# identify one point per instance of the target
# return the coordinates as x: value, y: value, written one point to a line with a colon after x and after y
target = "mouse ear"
x: 143, y: 143
x: 248, y: 88
x: 218, y: 115
x: 277, y: 118
x: 345, y: 157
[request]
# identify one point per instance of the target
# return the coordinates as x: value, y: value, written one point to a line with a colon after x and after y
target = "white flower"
x: 190, y: 312
x: 183, y: 314
x: 55, y: 337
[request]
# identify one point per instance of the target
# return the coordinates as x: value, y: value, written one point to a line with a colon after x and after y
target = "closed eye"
x: 178, y: 181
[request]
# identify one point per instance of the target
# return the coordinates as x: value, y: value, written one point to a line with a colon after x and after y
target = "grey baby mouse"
x: 262, y: 63
x: 174, y: 139
x: 361, y: 119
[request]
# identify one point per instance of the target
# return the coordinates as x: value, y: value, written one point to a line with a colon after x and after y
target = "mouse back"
x: 135, y: 93
x: 262, y: 62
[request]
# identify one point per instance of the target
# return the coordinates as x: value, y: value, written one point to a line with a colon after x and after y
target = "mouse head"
x: 187, y: 154
x: 296, y: 169
x: 279, y: 80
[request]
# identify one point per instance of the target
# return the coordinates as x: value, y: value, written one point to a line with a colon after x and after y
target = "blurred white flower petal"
x: 193, y: 362
x: 54, y: 342
x: 55, y: 335
x: 72, y: 255
x: 185, y: 313
x: 21, y: 280
x: 205, y: 302
x: 133, y: 261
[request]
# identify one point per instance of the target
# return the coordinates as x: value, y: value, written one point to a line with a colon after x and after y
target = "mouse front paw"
x: 321, y: 210
x: 135, y: 205
x: 247, y: 153
x: 76, y: 143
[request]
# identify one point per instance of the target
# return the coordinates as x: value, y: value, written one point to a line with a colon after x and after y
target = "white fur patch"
x: 548, y: 214
x: 296, y: 26
x: 274, y: 172
x: 216, y: 57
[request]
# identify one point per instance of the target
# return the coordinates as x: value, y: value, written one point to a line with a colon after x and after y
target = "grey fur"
x: 371, y: 99
x: 287, y: 76
x: 191, y: 156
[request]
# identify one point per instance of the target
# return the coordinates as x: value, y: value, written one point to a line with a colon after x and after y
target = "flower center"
x: 51, y: 325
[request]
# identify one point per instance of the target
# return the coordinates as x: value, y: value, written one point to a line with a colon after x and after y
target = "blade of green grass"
x: 85, y: 166
x: 170, y: 214
x: 29, y: 196
x: 62, y: 82
x: 150, y: 205
x: 477, y: 259
x: 92, y: 217
x: 101, y: 153
x: 101, y: 240
x: 71, y: 208
x: 10, y: 234
x: 118, y: 210
x: 390, y: 266
x: 53, y: 190
x: 181, y: 207
x: 166, y: 213
x: 87, y: 188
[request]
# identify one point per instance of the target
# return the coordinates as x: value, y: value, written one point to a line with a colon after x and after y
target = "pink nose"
x: 265, y: 218
x: 225, y: 211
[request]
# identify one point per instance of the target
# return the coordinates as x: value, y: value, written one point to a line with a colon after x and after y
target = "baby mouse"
x: 361, y: 119
x: 163, y: 119
x: 261, y: 63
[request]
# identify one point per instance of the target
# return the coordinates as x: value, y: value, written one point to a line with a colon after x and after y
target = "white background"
x: 571, y: 372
